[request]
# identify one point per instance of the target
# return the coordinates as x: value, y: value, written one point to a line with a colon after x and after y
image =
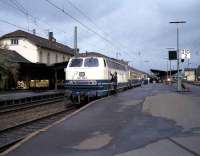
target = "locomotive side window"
x: 91, y: 62
x: 115, y: 65
x: 76, y: 63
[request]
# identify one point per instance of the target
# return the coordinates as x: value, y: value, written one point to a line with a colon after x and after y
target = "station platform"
x: 152, y: 120
x: 25, y: 94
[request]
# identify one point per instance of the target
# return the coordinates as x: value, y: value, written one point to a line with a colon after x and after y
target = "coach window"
x: 76, y: 63
x: 91, y: 62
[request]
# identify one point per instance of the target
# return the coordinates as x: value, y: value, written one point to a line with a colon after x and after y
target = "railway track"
x: 20, y: 107
x: 8, y: 104
x: 11, y: 136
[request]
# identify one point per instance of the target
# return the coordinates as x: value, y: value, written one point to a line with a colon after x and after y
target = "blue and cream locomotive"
x: 95, y: 75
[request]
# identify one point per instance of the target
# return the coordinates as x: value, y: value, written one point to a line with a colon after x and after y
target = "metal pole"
x: 179, y: 88
x: 170, y: 73
x: 178, y: 61
x: 75, y: 40
x: 56, y: 79
x: 167, y: 70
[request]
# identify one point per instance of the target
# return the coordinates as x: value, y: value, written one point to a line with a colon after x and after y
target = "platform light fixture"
x: 179, y: 88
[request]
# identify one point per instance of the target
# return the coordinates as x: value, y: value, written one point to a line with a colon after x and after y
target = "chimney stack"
x: 34, y: 32
x: 50, y: 36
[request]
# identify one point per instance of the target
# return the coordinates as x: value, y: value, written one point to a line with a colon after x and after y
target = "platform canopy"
x: 161, y: 73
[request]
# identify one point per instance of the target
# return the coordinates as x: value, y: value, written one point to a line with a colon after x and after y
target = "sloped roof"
x: 161, y: 73
x: 136, y: 70
x: 12, y: 56
x: 41, y: 42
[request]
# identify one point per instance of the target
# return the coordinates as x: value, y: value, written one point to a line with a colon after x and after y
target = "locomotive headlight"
x: 71, y: 82
x: 93, y: 82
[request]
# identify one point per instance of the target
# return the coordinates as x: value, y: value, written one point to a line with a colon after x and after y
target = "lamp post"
x: 179, y: 88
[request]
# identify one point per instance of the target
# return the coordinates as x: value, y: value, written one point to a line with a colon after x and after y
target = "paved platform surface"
x: 153, y: 120
x: 20, y: 95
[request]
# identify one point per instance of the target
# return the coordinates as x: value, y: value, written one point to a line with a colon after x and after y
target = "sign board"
x: 185, y: 54
x: 172, y: 55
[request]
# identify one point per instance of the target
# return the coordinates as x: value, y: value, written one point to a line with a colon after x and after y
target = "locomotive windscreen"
x: 91, y: 62
x: 76, y: 62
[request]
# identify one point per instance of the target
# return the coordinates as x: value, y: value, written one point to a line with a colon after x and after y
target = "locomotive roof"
x: 136, y: 70
x: 95, y: 54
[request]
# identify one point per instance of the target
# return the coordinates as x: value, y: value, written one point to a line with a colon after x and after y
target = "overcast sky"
x: 138, y: 30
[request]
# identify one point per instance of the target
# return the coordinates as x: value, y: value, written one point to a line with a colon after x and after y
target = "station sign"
x: 185, y: 54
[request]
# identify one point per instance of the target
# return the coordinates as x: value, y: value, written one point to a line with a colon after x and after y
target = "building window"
x: 56, y: 58
x: 40, y: 57
x: 14, y: 41
x: 48, y: 58
x: 63, y: 58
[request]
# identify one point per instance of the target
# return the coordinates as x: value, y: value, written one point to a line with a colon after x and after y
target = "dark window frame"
x: 56, y: 58
x: 76, y: 65
x: 88, y: 63
x: 14, y: 41
x: 105, y: 64
x: 48, y: 58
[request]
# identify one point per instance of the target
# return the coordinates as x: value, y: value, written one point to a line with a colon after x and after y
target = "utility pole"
x: 75, y: 40
x: 167, y: 71
x: 170, y: 68
x: 117, y: 55
x: 179, y: 88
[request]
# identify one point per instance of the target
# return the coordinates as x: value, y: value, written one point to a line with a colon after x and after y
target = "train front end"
x: 84, y: 78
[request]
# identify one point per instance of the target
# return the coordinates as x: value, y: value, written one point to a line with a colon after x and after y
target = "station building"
x: 30, y: 61
x: 35, y: 48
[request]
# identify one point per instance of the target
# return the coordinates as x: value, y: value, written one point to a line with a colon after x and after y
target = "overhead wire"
x: 22, y: 9
x: 92, y: 22
x: 88, y: 18
x: 18, y: 6
x: 78, y: 21
x: 12, y: 24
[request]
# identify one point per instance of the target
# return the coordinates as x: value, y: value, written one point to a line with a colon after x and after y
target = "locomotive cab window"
x: 91, y: 62
x: 104, y: 62
x: 76, y: 63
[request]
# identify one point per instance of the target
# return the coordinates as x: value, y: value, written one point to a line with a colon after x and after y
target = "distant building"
x: 36, y: 49
x: 190, y: 74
